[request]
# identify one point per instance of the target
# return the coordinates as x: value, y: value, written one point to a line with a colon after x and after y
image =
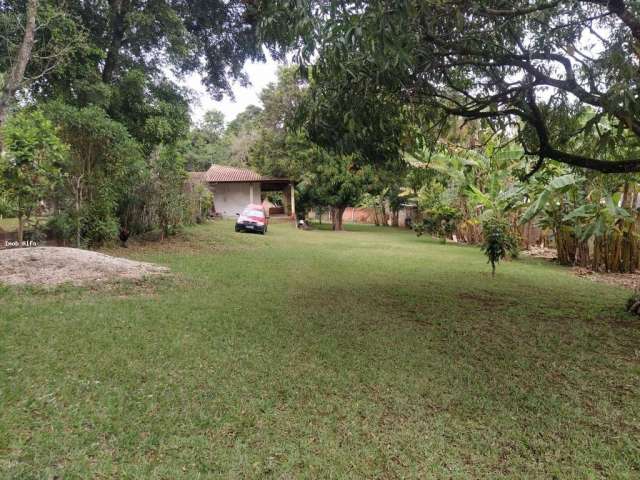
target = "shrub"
x: 158, y: 200
x: 61, y: 226
x: 440, y: 221
x: 498, y: 241
x: 99, y: 224
x: 199, y: 204
x: 103, y: 164
x: 91, y: 226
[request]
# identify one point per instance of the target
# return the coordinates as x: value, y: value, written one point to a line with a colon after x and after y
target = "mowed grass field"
x: 9, y: 224
x: 365, y: 354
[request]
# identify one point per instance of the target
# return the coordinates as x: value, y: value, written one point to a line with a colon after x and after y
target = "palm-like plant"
x: 589, y: 223
x: 479, y: 183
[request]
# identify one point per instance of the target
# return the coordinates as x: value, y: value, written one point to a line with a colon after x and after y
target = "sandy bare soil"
x: 540, y: 252
x: 627, y: 280
x: 57, y: 265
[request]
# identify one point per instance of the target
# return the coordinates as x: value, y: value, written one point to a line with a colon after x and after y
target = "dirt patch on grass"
x: 484, y: 300
x: 540, y: 252
x: 57, y: 265
x: 627, y: 280
x: 191, y: 242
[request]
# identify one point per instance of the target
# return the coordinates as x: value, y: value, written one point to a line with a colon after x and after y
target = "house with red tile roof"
x: 234, y: 188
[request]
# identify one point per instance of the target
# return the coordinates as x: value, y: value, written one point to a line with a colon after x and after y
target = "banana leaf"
x: 557, y: 185
x: 584, y: 211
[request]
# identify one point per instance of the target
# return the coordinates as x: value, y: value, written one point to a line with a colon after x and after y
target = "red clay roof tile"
x: 222, y: 173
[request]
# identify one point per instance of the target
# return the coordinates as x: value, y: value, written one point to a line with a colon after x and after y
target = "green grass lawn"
x: 9, y: 224
x: 365, y: 354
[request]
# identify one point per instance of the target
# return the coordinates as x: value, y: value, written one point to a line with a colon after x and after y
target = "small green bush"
x: 498, y: 241
x: 61, y: 226
x: 96, y: 223
x: 440, y: 221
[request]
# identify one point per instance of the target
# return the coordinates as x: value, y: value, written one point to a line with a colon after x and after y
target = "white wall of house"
x: 231, y: 198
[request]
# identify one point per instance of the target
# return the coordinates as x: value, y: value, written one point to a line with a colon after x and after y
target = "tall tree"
x: 338, y: 183
x: 31, y: 164
x: 213, y: 38
x: 207, y: 143
x: 242, y: 133
x: 36, y: 38
x: 280, y: 149
x: 15, y: 76
x: 528, y: 66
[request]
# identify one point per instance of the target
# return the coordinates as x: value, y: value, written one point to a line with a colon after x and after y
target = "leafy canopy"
x: 30, y: 164
x: 528, y: 68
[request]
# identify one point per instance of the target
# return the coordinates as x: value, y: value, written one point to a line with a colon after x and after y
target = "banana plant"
x: 551, y: 196
x: 493, y: 189
x: 599, y: 218
x: 590, y: 226
x: 479, y: 183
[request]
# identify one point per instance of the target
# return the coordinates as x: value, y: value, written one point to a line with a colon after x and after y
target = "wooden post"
x: 251, y: 193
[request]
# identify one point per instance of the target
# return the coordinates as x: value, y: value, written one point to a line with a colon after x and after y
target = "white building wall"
x: 230, y: 199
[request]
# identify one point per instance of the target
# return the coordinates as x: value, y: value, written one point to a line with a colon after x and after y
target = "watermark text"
x: 16, y: 244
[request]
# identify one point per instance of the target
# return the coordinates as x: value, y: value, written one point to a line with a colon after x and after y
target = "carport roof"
x: 224, y: 174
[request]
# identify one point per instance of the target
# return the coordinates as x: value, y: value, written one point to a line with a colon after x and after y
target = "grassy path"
x: 365, y: 354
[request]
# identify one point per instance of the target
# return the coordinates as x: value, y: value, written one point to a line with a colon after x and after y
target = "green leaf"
x: 536, y: 206
x: 585, y: 211
x: 479, y: 196
x: 623, y: 213
x: 599, y: 227
x: 564, y: 181
x: 588, y: 232
x: 611, y: 206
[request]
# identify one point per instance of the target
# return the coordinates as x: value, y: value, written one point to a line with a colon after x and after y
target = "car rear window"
x: 253, y: 213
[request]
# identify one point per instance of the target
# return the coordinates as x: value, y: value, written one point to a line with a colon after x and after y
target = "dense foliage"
x: 475, y: 117
x: 30, y: 164
x: 102, y: 74
x: 533, y: 67
x: 440, y: 221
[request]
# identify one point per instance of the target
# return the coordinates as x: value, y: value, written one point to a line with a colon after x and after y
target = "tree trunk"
x: 78, y: 200
x: 119, y: 10
x: 628, y: 261
x: 16, y: 75
x: 20, y: 229
x: 395, y: 218
x: 336, y: 218
x: 376, y: 218
x: 582, y: 258
x: 566, y: 246
x: 385, y: 215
